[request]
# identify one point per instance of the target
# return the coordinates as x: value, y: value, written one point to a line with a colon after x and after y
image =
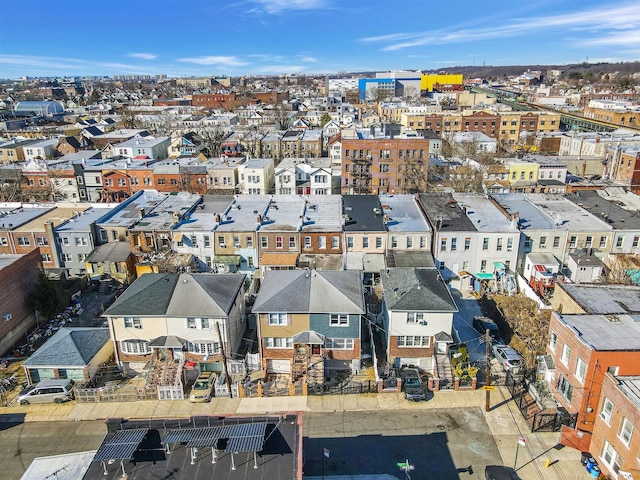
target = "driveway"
x: 462, y: 323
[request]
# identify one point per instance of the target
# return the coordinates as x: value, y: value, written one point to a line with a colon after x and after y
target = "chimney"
x: 176, y: 217
x: 217, y: 218
x: 259, y: 219
x: 141, y: 213
x: 515, y: 220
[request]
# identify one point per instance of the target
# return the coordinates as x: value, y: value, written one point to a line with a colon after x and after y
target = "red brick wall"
x: 622, y: 408
x: 395, y: 351
x: 345, y: 354
x: 17, y: 280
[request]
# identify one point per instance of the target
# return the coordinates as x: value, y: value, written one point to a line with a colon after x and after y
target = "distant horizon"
x: 195, y: 38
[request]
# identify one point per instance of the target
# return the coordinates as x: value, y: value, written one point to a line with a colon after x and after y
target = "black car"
x: 413, y: 386
x: 499, y: 472
x: 481, y: 324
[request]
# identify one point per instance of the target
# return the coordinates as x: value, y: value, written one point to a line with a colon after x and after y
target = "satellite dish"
x: 7, y: 317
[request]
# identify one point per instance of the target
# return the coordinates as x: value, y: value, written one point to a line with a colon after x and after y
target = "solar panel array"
x: 121, y: 446
x: 247, y: 437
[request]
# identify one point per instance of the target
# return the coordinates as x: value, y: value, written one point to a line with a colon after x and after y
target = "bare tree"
x: 212, y: 139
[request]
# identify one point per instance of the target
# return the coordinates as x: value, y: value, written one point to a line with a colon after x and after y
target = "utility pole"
x: 487, y: 391
x: 224, y: 359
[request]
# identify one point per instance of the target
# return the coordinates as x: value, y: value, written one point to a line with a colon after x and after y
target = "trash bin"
x: 591, y: 462
x: 595, y: 471
x: 584, y: 456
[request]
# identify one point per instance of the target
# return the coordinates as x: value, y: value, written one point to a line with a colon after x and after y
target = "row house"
x: 384, y: 165
x: 13, y: 150
x: 584, y: 348
x: 187, y: 145
x: 471, y: 239
x: 625, y: 166
x: 182, y: 315
x: 256, y: 176
x: 148, y: 147
x: 222, y: 174
x: 180, y: 175
x: 303, y: 176
x: 41, y: 150
x: 417, y: 313
x: 103, y: 140
x: 615, y: 442
x: 152, y: 232
x: 122, y: 178
x: 312, y: 329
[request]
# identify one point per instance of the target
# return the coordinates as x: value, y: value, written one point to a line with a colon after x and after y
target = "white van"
x: 47, y: 391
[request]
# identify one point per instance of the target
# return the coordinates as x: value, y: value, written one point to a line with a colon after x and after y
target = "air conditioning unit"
x: 236, y: 245
x: 223, y: 245
x: 423, y: 322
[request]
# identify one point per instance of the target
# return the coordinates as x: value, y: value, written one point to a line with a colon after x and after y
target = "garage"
x: 278, y: 366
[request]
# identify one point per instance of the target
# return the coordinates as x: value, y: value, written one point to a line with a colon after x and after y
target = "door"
x: 441, y: 348
x: 278, y: 366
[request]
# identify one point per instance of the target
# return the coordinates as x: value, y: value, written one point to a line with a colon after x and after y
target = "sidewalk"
x: 504, y: 420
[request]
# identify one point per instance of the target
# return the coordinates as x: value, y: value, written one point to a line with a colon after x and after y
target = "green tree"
x: 324, y: 119
x: 48, y: 296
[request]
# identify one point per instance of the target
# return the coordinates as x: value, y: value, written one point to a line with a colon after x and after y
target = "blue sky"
x: 239, y: 37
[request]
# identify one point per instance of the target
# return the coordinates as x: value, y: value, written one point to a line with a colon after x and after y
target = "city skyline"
x: 270, y: 37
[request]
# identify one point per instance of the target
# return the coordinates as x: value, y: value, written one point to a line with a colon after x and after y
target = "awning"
x: 309, y: 337
x: 464, y: 273
x: 499, y: 265
x: 167, y: 341
x: 484, y: 276
x: 281, y: 259
x: 227, y: 259
x: 178, y: 236
x: 443, y: 337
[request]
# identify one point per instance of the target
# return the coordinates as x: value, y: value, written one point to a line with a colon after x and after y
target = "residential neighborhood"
x: 204, y: 261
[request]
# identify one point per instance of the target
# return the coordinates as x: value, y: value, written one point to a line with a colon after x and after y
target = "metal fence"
x: 537, y: 419
x: 114, y: 394
x: 369, y: 386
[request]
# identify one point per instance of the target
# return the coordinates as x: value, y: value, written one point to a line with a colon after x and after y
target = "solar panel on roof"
x: 245, y: 437
x: 121, y: 446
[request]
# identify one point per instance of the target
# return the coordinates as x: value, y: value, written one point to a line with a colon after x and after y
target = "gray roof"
x: 630, y: 386
x: 444, y: 213
x: 179, y: 295
x: 413, y: 258
x: 69, y: 347
x: 416, y: 289
x: 613, y: 214
x: 404, y: 214
x: 110, y: 252
x: 483, y: 214
x: 603, y: 299
x: 311, y: 291
x: 606, y: 332
x: 363, y: 218
x: 12, y: 218
x: 531, y: 217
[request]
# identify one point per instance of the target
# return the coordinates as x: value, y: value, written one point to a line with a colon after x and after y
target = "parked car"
x: 508, y: 358
x: 499, y: 472
x: 47, y: 391
x: 202, y: 387
x: 482, y: 324
x: 414, y: 389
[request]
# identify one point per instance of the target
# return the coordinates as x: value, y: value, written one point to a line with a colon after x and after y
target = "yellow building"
x: 509, y: 128
x: 523, y: 172
x: 548, y: 122
x: 428, y: 81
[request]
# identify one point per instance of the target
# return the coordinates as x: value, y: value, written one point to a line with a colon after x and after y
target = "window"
x: 553, y: 341
x: 415, y: 317
x: 3, y: 241
x: 485, y: 243
x: 565, y: 388
x: 279, y: 242
x: 509, y: 244
x: 414, y: 341
x: 378, y: 242
x: 566, y: 354
x: 613, y: 370
x: 626, y: 430
x: 573, y: 241
x: 454, y: 244
x: 603, y: 242
x: 278, y: 342
x: 581, y: 368
x: 636, y: 241
x: 339, y: 319
x: 292, y: 242
x: 135, y: 347
x: 264, y: 242
x: 203, y: 347
x: 467, y: 244
x: 335, y: 242
x: 43, y: 241
x: 66, y: 257
x: 249, y: 241
x: 443, y: 245
x: 365, y: 242
x: 307, y: 242
x: 610, y: 457
x: 82, y: 257
x: 207, y: 241
x: 24, y: 241
x: 132, y: 322
x: 543, y: 242
x: 423, y: 242
x: 499, y: 245
x: 322, y: 242
x: 483, y: 266
x: 161, y: 181
x: 556, y: 242
x: 409, y: 242
x: 465, y: 265
x: 394, y: 242
x: 277, y: 319
x: 384, y: 168
x: 619, y: 241
x: 349, y: 242
x: 589, y: 241
x: 46, y: 257
x: 339, y: 343
x: 607, y: 411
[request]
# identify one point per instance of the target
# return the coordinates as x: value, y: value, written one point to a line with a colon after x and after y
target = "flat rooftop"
x: 630, y: 386
x: 57, y: 216
x: 243, y: 214
x: 606, y: 332
x: 606, y: 209
x: 129, y: 213
x: 12, y: 218
x: 531, y: 217
x: 82, y: 221
x: 278, y: 455
x: 568, y: 214
x: 445, y: 213
x: 322, y: 213
x: 404, y: 214
x: 603, y: 299
x: 161, y: 217
x: 483, y: 214
x: 283, y: 214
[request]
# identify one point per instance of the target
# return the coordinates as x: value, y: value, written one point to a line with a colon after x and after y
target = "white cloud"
x: 279, y: 69
x: 277, y: 6
x: 66, y: 65
x: 144, y: 56
x: 627, y: 39
x: 308, y: 59
x: 214, y: 60
x: 623, y: 18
